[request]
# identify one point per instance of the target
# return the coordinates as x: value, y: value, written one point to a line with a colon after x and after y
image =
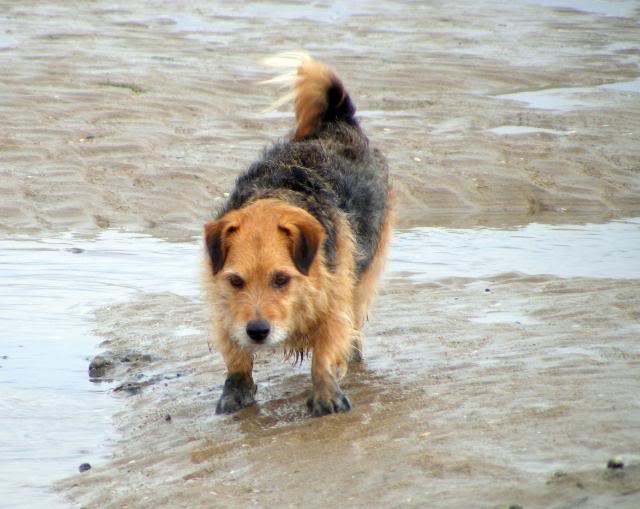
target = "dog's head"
x: 263, y: 259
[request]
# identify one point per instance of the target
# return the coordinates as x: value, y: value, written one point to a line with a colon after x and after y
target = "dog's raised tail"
x: 320, y: 96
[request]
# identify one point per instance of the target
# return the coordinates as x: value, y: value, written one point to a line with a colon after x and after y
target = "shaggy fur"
x: 295, y: 254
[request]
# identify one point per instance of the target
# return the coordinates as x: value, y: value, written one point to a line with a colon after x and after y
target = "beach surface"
x: 502, y: 373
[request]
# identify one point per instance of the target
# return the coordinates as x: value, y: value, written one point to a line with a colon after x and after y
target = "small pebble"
x: 167, y: 418
x: 84, y: 467
x: 98, y: 362
x: 487, y: 289
x: 99, y: 366
x: 615, y: 462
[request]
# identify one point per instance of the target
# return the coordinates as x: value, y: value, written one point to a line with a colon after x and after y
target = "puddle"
x: 610, y: 250
x: 229, y: 20
x: 516, y: 130
x: 573, y: 98
x: 615, y: 8
x: 52, y: 418
x: 203, y: 29
x: 493, y: 317
x: 7, y: 42
x: 185, y: 331
x: 630, y: 87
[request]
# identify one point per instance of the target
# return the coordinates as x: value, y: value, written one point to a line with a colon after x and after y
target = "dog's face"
x: 263, y: 258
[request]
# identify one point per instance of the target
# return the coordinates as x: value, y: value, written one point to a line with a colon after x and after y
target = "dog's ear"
x: 306, y: 234
x: 216, y: 235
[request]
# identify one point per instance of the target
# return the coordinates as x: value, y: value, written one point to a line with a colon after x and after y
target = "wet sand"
x: 139, y: 117
x: 517, y: 395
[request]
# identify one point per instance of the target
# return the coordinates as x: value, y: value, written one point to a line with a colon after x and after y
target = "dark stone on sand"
x: 167, y: 417
x: 133, y: 357
x: 130, y: 388
x: 141, y: 380
x: 615, y: 462
x: 75, y: 250
x: 487, y: 289
x: 99, y: 366
x: 84, y: 467
x: 106, y: 361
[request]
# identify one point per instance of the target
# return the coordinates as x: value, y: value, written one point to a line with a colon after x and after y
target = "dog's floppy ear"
x: 306, y: 234
x: 215, y: 237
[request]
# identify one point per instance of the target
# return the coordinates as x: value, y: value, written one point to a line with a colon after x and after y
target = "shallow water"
x: 610, y: 250
x: 517, y: 130
x: 572, y: 98
x: 601, y: 7
x: 52, y: 418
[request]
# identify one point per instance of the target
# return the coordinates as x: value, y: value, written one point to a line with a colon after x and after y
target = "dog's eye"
x: 236, y: 281
x: 280, y: 280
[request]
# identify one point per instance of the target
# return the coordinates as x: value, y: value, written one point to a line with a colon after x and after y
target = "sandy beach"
x: 499, y: 388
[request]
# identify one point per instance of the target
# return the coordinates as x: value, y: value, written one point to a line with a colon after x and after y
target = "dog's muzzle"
x: 258, y: 330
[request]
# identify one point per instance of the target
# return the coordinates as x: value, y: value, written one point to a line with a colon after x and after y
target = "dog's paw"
x: 337, y: 404
x: 356, y: 355
x: 238, y: 393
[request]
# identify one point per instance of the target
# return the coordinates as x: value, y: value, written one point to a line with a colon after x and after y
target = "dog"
x: 294, y: 256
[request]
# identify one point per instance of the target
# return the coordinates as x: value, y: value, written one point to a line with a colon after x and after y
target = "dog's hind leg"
x: 239, y: 388
x: 366, y: 288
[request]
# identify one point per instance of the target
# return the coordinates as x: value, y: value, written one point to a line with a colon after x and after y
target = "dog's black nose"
x: 258, y: 330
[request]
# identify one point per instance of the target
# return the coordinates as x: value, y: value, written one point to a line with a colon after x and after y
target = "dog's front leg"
x: 329, y: 364
x: 239, y: 388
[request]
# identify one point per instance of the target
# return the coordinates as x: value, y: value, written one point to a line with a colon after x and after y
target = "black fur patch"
x: 339, y: 105
x: 333, y: 171
x: 239, y: 391
x: 216, y: 251
x: 304, y: 252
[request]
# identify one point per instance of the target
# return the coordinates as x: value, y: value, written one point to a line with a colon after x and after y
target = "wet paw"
x: 238, y: 393
x: 356, y: 355
x: 337, y: 404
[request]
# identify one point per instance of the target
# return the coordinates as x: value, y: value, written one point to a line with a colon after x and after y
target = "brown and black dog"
x: 294, y: 256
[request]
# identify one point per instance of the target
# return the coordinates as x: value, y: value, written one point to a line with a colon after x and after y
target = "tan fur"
x: 316, y: 310
x: 366, y: 289
x: 323, y: 305
x: 313, y: 81
x: 322, y: 313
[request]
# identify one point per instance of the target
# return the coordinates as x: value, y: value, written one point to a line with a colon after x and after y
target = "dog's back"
x: 326, y: 166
